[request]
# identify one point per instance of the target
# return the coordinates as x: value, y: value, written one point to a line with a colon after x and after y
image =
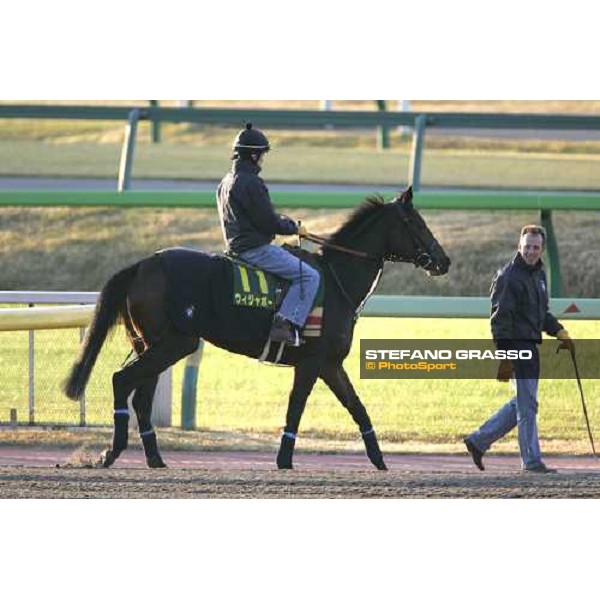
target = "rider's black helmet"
x: 250, y: 141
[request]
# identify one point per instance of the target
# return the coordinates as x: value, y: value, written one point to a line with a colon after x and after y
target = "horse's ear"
x: 407, y: 196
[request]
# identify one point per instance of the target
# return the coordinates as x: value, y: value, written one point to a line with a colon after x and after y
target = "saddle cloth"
x: 221, y: 297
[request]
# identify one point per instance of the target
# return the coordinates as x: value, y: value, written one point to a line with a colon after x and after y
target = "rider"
x: 249, y: 224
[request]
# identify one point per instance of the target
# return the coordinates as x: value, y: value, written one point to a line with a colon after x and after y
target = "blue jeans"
x: 305, y: 281
x: 519, y: 411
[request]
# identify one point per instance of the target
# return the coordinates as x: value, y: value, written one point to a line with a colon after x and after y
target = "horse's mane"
x: 357, y: 220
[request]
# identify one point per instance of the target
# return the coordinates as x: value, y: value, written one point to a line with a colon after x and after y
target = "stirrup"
x: 265, y: 353
x: 294, y: 343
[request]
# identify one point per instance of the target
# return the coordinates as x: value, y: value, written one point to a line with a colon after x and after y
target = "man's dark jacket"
x: 248, y: 218
x: 519, y: 295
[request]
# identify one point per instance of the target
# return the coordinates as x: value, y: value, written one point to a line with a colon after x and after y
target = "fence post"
x: 82, y: 408
x: 126, y: 164
x: 188, y: 392
x: 383, y: 133
x: 552, y: 254
x: 31, y: 377
x: 414, y: 167
x: 155, y: 125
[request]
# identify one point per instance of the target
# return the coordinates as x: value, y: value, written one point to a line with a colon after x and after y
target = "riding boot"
x: 373, y: 450
x: 283, y: 330
x: 153, y: 458
x: 286, y: 450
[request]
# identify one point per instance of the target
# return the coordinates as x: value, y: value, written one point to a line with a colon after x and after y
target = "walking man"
x: 519, y: 315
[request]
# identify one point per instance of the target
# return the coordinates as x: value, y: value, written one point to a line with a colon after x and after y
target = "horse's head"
x: 410, y: 240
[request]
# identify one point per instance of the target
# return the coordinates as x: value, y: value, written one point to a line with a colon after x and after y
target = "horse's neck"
x: 356, y: 276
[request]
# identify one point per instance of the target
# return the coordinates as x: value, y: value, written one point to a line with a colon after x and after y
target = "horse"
x: 351, y: 261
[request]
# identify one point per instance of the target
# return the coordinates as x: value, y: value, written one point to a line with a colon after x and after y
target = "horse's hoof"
x: 284, y: 460
x: 381, y: 466
x: 286, y: 452
x: 107, y: 458
x: 155, y: 462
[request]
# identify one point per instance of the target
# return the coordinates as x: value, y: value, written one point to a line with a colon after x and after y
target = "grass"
x: 307, y: 164
x: 79, y: 249
x: 236, y: 396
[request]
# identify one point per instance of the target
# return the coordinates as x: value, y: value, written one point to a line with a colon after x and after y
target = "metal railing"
x: 545, y: 202
x: 299, y: 119
x: 78, y: 316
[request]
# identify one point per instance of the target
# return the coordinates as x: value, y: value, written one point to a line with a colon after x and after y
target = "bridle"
x: 423, y: 253
x: 422, y: 257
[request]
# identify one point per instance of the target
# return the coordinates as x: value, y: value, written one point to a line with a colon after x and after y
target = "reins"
x: 317, y: 239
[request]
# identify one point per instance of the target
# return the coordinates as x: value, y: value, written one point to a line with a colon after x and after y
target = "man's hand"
x: 302, y: 231
x: 566, y: 343
x: 505, y: 370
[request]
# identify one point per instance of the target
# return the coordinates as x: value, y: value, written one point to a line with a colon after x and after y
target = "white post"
x: 403, y: 106
x: 163, y: 400
x: 326, y: 105
x: 162, y: 406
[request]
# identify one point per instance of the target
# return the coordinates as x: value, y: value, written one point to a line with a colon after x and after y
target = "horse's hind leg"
x: 305, y: 376
x: 121, y: 412
x: 142, y: 404
x: 336, y: 378
x: 138, y: 374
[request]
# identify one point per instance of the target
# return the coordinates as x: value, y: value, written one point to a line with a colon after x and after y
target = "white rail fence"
x: 75, y: 315
x: 80, y: 306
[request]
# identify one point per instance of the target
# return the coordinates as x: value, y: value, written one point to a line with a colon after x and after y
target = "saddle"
x: 255, y: 288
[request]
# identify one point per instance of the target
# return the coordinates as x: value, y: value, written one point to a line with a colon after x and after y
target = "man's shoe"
x: 541, y: 468
x: 476, y: 454
x: 284, y: 331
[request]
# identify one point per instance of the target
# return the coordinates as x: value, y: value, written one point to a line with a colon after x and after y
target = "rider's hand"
x: 302, y: 231
x: 566, y: 343
x: 505, y: 370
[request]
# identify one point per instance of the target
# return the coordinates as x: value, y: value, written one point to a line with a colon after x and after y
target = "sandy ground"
x: 50, y: 473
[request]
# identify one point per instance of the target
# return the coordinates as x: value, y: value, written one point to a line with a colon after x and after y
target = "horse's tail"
x: 111, y: 304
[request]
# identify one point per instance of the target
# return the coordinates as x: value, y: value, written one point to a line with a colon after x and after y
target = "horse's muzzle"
x: 435, y: 269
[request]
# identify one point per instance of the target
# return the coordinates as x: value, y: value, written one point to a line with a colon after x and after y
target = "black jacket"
x: 248, y: 219
x: 520, y: 303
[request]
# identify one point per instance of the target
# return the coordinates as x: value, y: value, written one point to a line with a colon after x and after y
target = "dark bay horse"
x: 351, y: 262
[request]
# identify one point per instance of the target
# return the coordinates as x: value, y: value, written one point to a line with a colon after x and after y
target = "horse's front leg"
x: 336, y: 378
x: 305, y: 376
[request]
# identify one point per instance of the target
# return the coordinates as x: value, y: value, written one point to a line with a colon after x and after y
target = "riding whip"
x: 301, y: 278
x: 587, y: 421
x: 585, y: 414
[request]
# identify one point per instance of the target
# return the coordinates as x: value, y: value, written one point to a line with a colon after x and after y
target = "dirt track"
x: 32, y: 482
x: 31, y: 473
